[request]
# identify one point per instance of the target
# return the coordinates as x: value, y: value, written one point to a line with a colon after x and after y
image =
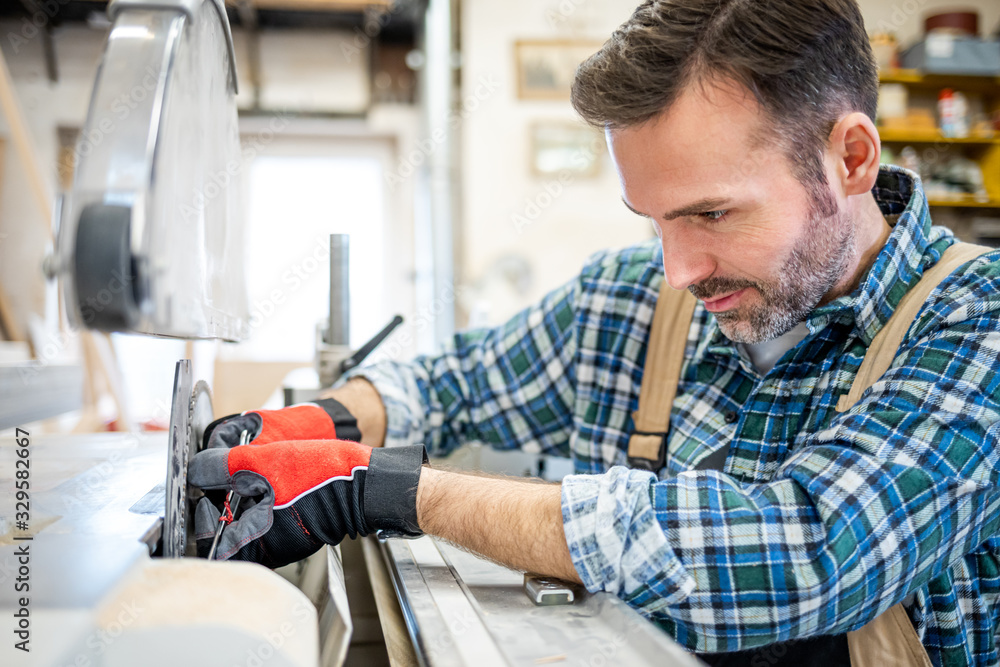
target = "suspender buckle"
x: 647, y: 450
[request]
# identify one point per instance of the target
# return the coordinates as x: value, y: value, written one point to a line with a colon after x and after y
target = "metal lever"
x: 366, y: 349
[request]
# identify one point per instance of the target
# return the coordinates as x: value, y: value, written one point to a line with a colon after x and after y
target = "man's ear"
x: 856, y: 147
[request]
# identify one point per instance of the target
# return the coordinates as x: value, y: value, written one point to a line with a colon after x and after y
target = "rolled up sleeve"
x: 511, y: 387
x: 616, y: 543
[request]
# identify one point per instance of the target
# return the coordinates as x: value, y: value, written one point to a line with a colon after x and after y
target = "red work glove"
x: 309, y: 493
x: 324, y: 419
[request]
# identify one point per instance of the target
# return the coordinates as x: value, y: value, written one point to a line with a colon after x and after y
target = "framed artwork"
x: 565, y: 148
x: 545, y: 68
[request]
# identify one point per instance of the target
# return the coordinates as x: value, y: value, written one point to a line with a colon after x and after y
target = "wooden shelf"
x: 985, y: 151
x: 916, y: 78
x: 935, y: 137
x: 964, y: 202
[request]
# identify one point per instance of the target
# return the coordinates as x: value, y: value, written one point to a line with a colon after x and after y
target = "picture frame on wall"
x: 545, y: 68
x: 565, y: 148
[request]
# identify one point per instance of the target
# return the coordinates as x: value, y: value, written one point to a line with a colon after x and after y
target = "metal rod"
x: 359, y: 356
x: 338, y: 329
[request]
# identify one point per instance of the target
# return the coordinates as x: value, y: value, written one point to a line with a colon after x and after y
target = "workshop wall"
x: 523, y: 234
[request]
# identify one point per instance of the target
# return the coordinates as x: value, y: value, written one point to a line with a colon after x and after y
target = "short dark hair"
x: 805, y: 61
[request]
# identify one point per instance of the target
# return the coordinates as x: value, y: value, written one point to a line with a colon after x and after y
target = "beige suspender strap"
x: 890, y: 639
x: 660, y: 375
x: 887, y: 641
x: 886, y: 342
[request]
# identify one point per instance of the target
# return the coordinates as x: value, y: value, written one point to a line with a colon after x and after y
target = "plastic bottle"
x: 946, y: 111
x: 953, y: 110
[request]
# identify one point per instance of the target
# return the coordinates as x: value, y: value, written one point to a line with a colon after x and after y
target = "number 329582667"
x: 22, y: 483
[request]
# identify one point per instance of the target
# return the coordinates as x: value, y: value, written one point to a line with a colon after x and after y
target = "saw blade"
x: 175, y: 514
x: 190, y: 414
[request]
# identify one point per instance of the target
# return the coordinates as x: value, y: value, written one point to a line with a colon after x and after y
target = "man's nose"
x: 687, y: 259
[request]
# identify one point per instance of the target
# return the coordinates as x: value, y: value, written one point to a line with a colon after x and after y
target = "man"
x: 744, y: 132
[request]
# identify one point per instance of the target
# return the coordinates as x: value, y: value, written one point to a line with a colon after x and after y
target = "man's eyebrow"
x: 700, y: 206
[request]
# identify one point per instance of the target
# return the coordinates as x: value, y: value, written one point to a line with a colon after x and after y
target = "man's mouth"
x: 723, y: 303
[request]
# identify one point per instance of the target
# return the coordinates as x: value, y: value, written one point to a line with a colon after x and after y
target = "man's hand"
x: 309, y: 493
x: 324, y: 419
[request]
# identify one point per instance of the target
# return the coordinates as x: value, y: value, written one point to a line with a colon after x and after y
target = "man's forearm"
x: 513, y: 522
x: 361, y: 398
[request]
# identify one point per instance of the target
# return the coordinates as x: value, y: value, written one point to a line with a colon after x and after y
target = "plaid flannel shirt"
x: 819, y: 521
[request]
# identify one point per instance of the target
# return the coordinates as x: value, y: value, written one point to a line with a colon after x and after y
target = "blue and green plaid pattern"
x: 819, y: 521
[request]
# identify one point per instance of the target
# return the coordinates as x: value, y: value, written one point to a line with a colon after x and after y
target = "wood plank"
x: 24, y: 145
x: 9, y: 327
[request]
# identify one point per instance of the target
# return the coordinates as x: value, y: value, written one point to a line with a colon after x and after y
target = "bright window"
x: 295, y: 203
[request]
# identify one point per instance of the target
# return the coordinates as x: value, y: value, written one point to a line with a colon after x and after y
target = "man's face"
x: 737, y: 228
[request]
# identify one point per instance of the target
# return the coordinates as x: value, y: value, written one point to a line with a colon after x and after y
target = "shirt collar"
x: 912, y: 246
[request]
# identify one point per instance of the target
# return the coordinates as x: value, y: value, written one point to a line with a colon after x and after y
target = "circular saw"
x: 190, y: 414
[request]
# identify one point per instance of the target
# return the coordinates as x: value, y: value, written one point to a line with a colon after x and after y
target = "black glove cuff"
x: 344, y: 423
x: 391, y: 490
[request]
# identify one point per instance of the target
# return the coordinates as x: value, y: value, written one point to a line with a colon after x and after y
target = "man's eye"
x: 713, y: 216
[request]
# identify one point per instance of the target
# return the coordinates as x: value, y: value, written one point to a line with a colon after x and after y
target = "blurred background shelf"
x: 915, y: 78
x: 916, y: 137
x: 965, y: 202
x: 910, y: 119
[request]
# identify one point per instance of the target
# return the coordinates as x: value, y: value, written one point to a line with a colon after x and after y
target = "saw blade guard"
x: 151, y: 236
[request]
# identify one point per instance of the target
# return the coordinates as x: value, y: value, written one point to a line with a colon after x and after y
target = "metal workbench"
x: 462, y: 610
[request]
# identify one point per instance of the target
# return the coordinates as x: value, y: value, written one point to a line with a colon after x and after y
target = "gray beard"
x: 815, y: 264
